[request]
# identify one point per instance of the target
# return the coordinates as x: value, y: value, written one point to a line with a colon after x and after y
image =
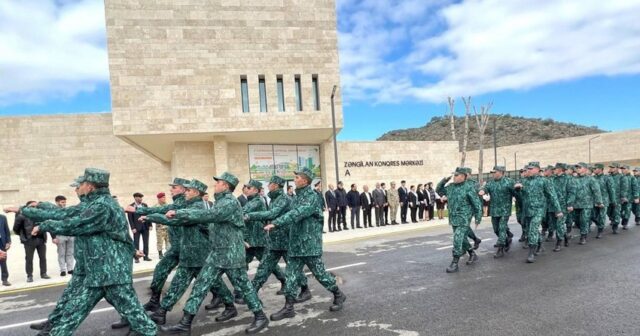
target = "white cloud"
x: 51, y: 49
x: 488, y: 46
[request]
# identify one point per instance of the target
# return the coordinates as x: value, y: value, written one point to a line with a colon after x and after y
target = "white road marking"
x: 444, y: 247
x: 102, y: 310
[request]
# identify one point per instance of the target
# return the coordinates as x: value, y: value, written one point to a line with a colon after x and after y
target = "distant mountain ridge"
x: 511, y: 130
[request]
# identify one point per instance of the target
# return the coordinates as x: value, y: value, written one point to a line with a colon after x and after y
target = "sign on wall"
x: 282, y: 160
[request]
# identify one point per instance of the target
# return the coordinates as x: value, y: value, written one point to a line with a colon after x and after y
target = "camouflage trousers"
x: 614, y: 214
x: 74, y: 287
x: 558, y: 224
x: 164, y: 267
x: 636, y: 212
x: 211, y: 275
x: 259, y: 253
x: 267, y: 265
x: 533, y: 230
x: 122, y: 297
x: 625, y: 211
x: 460, y: 242
x: 600, y: 216
x: 583, y: 219
x: 316, y: 266
x: 162, y: 237
x: 500, y: 228
x: 471, y: 234
x: 181, y: 281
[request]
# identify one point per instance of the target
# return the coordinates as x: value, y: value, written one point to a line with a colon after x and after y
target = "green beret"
x: 195, y: 184
x: 179, y: 182
x: 97, y: 176
x: 306, y: 172
x: 253, y: 183
x: 277, y: 180
x: 229, y: 178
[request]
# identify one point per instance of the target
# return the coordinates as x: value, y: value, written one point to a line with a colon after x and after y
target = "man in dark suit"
x: 139, y: 228
x: 378, y: 202
x: 341, y: 195
x: 404, y: 203
x: 431, y: 200
x: 366, y: 201
x: 353, y: 201
x: 243, y: 198
x: 23, y: 227
x: 332, y: 206
x: 386, y: 204
x: 413, y: 203
x: 5, y: 244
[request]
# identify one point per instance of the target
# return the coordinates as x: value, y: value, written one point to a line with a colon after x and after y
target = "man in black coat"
x: 366, y: 202
x: 341, y: 195
x: 353, y: 201
x: 413, y: 203
x: 5, y: 244
x: 386, y: 203
x: 139, y: 228
x: 404, y: 202
x: 332, y: 206
x: 23, y: 227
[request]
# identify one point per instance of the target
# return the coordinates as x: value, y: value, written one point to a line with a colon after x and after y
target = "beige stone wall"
x: 176, y: 66
x: 42, y: 155
x: 194, y: 160
x: 609, y: 147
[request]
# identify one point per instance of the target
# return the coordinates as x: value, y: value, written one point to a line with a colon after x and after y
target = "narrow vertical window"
x: 316, y: 92
x: 280, y: 89
x: 244, y: 90
x: 262, y: 88
x: 298, y: 90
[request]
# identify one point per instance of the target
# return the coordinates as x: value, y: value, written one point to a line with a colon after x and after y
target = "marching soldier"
x: 547, y: 222
x: 520, y: 208
x: 476, y: 188
x: 566, y: 190
x: 538, y: 193
x: 464, y: 204
x: 227, y: 256
x: 614, y: 206
x: 636, y: 204
x: 629, y: 195
x: 607, y: 189
x: 501, y: 191
x: 305, y: 220
x: 587, y: 196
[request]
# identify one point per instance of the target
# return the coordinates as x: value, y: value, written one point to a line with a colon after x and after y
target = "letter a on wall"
x: 347, y: 173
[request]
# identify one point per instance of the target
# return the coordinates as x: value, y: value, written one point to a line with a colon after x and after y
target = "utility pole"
x: 335, y: 142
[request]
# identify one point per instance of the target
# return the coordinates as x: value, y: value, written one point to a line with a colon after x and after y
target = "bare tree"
x: 452, y: 118
x: 482, y: 120
x: 465, y: 138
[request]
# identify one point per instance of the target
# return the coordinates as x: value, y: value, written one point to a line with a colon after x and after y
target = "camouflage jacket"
x: 194, y: 238
x: 632, y: 190
x: 620, y: 186
x: 587, y: 192
x: 254, y: 233
x: 225, y: 230
x: 501, y: 192
x: 304, y: 222
x: 607, y: 188
x: 278, y: 238
x: 637, y: 187
x: 45, y: 211
x: 536, y: 192
x: 565, y: 188
x: 108, y: 257
x: 463, y: 202
x: 174, y: 231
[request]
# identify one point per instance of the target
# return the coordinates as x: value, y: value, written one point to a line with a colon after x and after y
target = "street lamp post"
x: 595, y: 137
x: 515, y: 161
x: 335, y: 142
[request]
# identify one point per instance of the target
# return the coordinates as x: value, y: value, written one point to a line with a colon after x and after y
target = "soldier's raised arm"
x: 440, y: 189
x: 274, y: 211
x: 92, y: 220
x: 309, y: 206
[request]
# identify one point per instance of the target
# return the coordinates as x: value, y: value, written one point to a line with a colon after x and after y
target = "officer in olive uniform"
x: 108, y: 258
x: 566, y: 190
x: 614, y: 207
x: 464, y: 204
x: 277, y: 239
x: 607, y: 189
x: 305, y: 221
x: 227, y: 256
x: 501, y: 192
x: 629, y: 195
x: 588, y: 195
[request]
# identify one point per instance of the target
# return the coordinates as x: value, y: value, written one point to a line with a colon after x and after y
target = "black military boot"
x: 566, y: 240
x: 159, y: 316
x: 500, y: 252
x: 543, y: 234
x: 238, y: 299
x: 120, y: 324
x: 473, y: 257
x: 550, y: 236
x: 305, y: 295
x: 558, y: 245
x: 599, y: 235
x: 182, y: 328
x: 454, y: 265
x: 539, y: 248
x: 525, y: 243
x: 216, y: 302
x: 476, y: 243
x: 154, y: 302
x: 46, y: 324
x: 286, y: 312
x: 260, y: 321
x: 614, y: 229
x: 228, y: 313
x: 532, y: 254
x: 625, y: 222
x: 338, y: 299
x: 583, y: 239
x: 522, y: 238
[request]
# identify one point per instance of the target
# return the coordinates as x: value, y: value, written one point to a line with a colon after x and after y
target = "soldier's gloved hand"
x: 570, y: 209
x: 559, y: 214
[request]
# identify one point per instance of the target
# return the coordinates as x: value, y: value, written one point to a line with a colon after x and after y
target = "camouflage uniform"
x: 471, y: 183
x: 107, y: 260
x: 565, y: 188
x: 607, y: 189
x: 501, y: 192
x: 614, y: 207
x: 629, y: 194
x: 636, y: 206
x: 587, y: 195
x: 520, y: 213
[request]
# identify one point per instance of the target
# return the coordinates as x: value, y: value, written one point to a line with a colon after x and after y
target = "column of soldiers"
x: 547, y: 202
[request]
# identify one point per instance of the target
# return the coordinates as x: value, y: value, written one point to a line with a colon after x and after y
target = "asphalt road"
x: 396, y: 285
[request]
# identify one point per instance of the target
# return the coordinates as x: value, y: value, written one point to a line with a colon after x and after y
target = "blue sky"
x: 575, y: 61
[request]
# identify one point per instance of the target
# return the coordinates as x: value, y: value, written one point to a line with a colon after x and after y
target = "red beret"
x: 160, y: 195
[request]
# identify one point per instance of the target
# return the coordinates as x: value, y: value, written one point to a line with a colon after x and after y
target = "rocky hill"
x: 510, y: 130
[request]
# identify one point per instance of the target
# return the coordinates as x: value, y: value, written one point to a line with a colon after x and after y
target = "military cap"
x: 467, y: 170
x: 522, y: 170
x: 549, y: 167
x: 306, y: 172
x: 97, y: 176
x: 561, y: 165
x: 460, y: 170
x: 253, y: 183
x: 197, y: 185
x: 624, y: 167
x: 533, y: 164
x: 138, y: 194
x: 77, y: 182
x: 277, y: 180
x: 229, y: 178
x: 636, y: 169
x: 499, y: 168
x: 179, y: 182
x: 582, y: 164
x: 614, y: 165
x: 598, y: 166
